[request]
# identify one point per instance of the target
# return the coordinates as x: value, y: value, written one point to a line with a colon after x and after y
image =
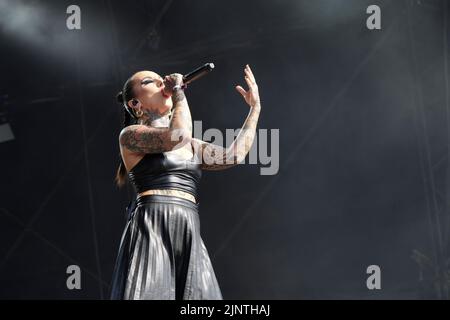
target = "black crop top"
x: 166, y: 171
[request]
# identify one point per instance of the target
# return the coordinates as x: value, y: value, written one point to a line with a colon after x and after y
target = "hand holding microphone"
x: 177, y: 81
x: 172, y: 82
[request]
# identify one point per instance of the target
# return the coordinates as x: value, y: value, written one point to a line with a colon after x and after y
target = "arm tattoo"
x: 147, y: 139
x: 181, y: 118
x: 178, y: 95
x: 218, y: 158
x: 141, y: 139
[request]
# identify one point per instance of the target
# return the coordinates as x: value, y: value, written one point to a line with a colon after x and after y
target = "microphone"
x: 198, y: 73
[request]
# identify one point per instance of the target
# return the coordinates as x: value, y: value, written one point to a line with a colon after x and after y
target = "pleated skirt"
x: 162, y: 255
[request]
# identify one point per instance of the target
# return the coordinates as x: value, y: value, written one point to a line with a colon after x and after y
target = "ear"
x: 133, y: 103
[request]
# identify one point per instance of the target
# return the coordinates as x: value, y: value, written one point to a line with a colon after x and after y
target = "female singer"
x: 162, y: 255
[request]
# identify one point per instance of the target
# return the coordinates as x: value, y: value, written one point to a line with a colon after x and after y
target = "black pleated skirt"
x: 162, y: 255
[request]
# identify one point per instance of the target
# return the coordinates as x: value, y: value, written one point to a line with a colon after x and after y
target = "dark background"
x: 364, y: 137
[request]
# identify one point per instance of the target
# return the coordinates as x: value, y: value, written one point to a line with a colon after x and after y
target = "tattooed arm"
x: 218, y: 158
x: 215, y: 157
x: 146, y: 139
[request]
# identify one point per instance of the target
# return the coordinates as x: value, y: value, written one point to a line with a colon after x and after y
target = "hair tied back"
x: 119, y: 97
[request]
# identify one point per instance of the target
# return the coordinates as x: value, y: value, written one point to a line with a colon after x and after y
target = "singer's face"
x: 148, y: 88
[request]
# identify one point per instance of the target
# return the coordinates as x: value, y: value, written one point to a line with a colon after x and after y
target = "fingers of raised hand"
x: 249, y: 73
x: 241, y: 91
x: 249, y: 82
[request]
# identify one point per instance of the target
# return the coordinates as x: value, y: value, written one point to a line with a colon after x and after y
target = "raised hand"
x: 252, y: 95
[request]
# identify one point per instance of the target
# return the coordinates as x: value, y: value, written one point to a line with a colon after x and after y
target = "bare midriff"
x: 170, y: 192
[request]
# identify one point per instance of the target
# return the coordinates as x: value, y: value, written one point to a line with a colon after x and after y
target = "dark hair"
x: 129, y: 118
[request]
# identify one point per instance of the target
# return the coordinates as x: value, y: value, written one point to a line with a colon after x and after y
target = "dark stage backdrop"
x: 363, y: 142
